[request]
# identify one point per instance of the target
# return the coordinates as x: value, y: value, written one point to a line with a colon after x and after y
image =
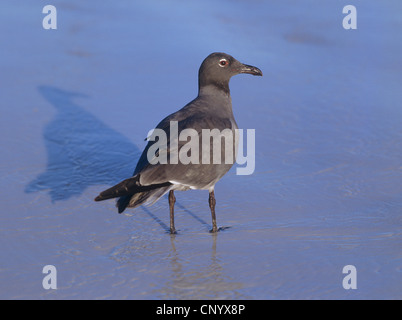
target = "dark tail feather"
x: 135, y: 200
x: 124, y: 188
x: 132, y: 194
x: 122, y: 203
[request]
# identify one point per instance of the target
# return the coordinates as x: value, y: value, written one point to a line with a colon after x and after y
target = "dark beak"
x: 250, y: 69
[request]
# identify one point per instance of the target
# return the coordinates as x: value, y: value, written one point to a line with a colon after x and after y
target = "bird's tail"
x: 131, y: 194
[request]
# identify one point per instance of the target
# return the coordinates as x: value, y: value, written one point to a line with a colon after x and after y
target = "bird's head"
x: 218, y: 68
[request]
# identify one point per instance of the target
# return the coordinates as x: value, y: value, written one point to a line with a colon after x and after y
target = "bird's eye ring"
x: 223, y: 63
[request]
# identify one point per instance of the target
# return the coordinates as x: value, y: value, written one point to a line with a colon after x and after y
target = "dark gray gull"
x: 212, y: 109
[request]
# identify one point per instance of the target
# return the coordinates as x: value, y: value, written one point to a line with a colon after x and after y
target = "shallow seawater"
x: 326, y: 192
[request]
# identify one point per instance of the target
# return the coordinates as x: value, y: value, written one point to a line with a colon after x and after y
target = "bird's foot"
x: 215, y: 230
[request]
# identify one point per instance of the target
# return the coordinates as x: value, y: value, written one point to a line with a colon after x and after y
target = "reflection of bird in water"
x: 208, y: 280
x: 178, y: 272
x: 82, y: 150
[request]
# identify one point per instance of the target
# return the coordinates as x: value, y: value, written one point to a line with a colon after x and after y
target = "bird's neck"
x: 222, y: 102
x: 216, y: 89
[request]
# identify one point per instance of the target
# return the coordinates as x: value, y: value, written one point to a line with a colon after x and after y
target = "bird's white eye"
x: 223, y: 63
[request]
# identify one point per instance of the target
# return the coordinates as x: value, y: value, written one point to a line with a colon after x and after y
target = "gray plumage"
x: 212, y: 109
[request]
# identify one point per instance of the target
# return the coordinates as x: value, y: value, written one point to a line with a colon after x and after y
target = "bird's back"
x: 199, y: 117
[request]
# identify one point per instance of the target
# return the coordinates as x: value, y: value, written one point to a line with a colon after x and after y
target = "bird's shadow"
x: 82, y: 151
x: 165, y: 226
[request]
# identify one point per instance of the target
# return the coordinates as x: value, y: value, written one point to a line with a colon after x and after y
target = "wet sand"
x: 77, y: 103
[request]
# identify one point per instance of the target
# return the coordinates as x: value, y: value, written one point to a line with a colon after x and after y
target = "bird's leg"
x: 212, y: 203
x: 172, y: 200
